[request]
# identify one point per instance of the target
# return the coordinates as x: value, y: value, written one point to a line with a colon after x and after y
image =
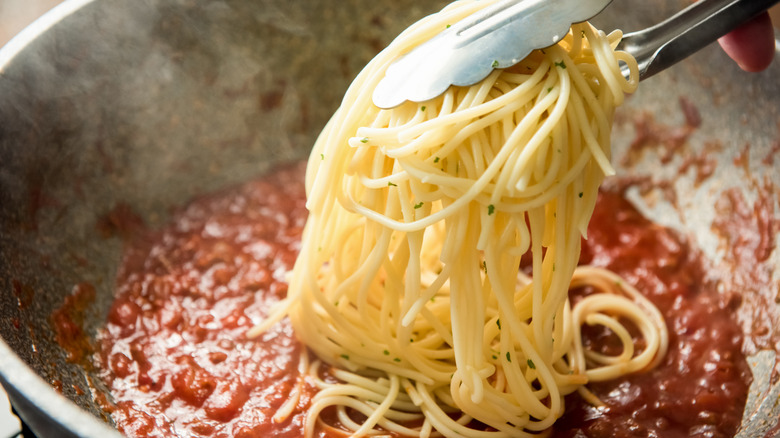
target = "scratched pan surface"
x: 150, y: 103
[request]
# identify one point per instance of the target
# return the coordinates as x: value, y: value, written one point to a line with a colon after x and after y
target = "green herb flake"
x: 561, y: 64
x: 580, y: 195
x: 484, y: 266
x: 531, y: 364
x: 495, y: 357
x: 508, y: 357
x: 495, y: 64
x: 549, y: 89
x: 436, y: 159
x: 397, y: 359
x: 498, y: 323
x: 418, y: 205
x: 422, y: 108
x: 553, y: 267
x: 387, y: 353
x: 491, y: 209
x: 449, y: 25
x: 345, y: 356
x: 364, y: 140
x: 322, y: 156
x: 391, y: 184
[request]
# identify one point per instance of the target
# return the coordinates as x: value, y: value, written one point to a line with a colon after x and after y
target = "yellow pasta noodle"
x: 408, y: 282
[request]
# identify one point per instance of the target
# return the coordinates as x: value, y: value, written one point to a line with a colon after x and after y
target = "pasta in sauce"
x: 176, y: 360
x: 432, y: 286
x: 408, y: 279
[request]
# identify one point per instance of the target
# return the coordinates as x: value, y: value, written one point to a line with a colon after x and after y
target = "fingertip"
x: 752, y: 45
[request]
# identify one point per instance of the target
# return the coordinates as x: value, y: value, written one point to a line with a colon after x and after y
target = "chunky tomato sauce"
x: 174, y: 352
x: 700, y: 388
x: 176, y: 360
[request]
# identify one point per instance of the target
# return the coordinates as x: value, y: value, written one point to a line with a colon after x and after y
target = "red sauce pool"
x: 175, y: 358
x: 174, y: 352
x: 700, y: 388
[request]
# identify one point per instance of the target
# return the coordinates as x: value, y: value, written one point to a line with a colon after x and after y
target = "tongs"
x: 504, y: 33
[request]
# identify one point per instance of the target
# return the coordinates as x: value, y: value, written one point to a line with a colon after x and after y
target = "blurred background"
x: 16, y: 14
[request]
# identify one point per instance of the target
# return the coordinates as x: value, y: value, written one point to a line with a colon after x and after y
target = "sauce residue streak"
x: 748, y: 231
x: 68, y: 322
x: 175, y: 356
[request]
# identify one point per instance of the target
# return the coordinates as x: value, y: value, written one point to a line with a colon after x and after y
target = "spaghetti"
x: 408, y: 282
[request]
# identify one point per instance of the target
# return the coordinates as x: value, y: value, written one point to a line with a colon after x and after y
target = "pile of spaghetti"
x: 409, y: 282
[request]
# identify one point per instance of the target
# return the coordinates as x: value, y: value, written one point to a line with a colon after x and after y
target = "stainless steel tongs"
x: 504, y: 33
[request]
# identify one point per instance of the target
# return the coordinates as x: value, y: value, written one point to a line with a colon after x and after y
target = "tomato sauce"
x: 174, y: 352
x: 177, y: 362
x: 700, y: 388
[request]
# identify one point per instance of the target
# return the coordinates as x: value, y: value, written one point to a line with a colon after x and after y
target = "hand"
x: 751, y: 45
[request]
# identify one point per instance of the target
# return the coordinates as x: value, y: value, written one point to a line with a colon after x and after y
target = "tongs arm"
x: 674, y: 39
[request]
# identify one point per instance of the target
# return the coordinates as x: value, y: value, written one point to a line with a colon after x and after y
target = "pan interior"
x: 143, y: 105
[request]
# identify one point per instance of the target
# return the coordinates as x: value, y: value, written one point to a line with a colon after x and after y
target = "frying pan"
x: 147, y: 103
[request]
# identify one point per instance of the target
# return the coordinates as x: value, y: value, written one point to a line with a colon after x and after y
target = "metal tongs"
x: 504, y: 33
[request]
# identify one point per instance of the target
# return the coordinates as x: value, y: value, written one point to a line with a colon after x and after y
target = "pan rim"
x: 23, y: 385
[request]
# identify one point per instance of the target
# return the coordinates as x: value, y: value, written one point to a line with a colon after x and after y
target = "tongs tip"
x: 498, y: 36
